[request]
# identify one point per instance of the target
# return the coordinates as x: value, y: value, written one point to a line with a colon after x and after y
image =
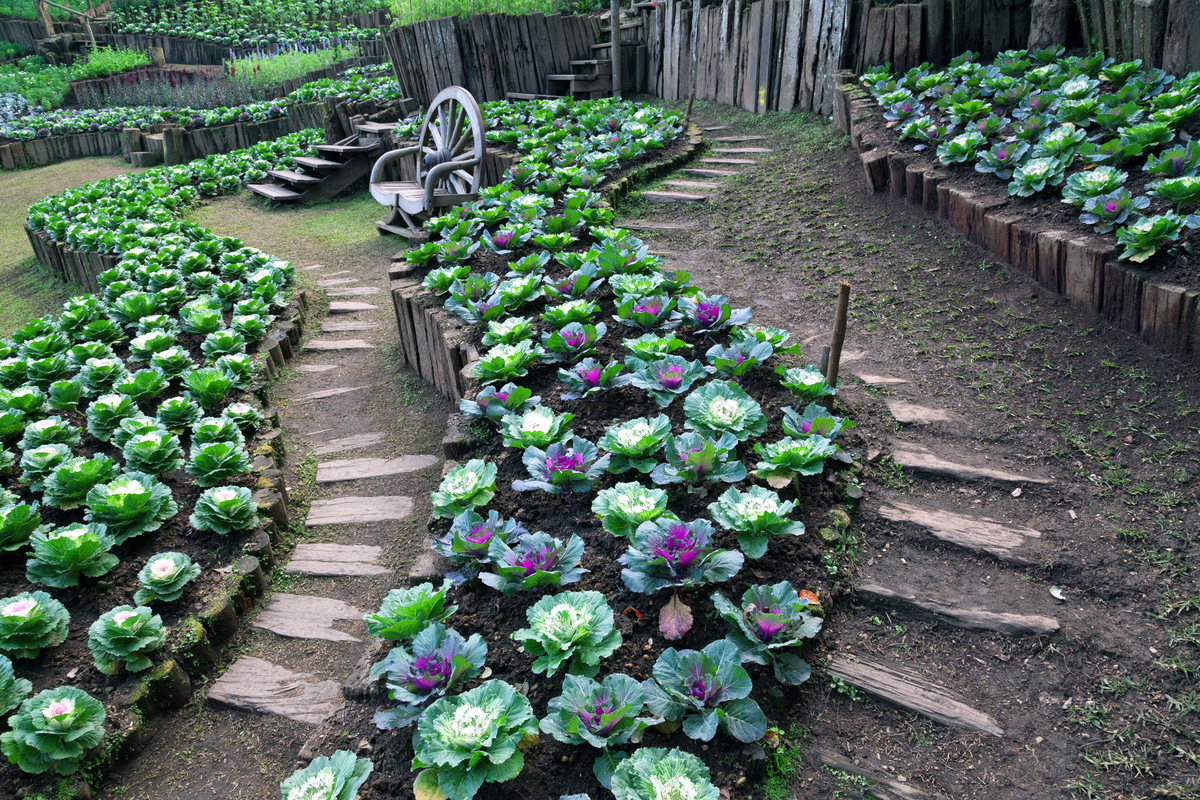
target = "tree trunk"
x: 1048, y: 23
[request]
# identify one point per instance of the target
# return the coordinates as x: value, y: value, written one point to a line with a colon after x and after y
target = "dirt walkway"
x: 1020, y: 451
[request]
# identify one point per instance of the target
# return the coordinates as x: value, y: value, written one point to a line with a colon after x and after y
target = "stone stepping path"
x: 348, y: 443
x: 339, y: 344
x: 348, y: 510
x: 673, y: 197
x: 339, y: 272
x: 316, y: 367
x: 648, y: 225
x: 912, y: 414
x: 339, y: 326
x: 718, y: 127
x: 738, y: 151
x: 349, y: 307
x: 327, y: 560
x: 879, y: 380
x: 957, y: 615
x: 358, y: 468
x: 356, y: 291
x: 738, y: 139
x: 921, y: 459
x: 972, y: 533
x: 315, y: 266
x: 705, y: 185
x: 728, y: 161
x: 322, y: 394
x: 910, y: 691
x: 337, y: 281
x: 300, y: 616
x: 252, y: 684
x: 697, y: 172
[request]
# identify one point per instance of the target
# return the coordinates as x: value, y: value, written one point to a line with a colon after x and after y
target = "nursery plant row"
x: 1076, y: 125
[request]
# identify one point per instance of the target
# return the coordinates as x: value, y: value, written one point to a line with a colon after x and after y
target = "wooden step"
x: 295, y: 177
x: 737, y: 139
x: 309, y: 162
x: 592, y: 66
x: 359, y: 468
x: 275, y: 192
x: 973, y: 533
x: 349, y: 149
x: 651, y: 225
x: 921, y: 459
x: 583, y: 83
x: 709, y: 173
x: 910, y: 691
x: 349, y: 307
x: 527, y: 96
x: 693, y: 184
x: 958, y: 615
x: 375, y: 128
x: 886, y: 788
x: 348, y: 443
x: 728, y: 161
x: 673, y: 197
x: 351, y: 510
x: 735, y: 151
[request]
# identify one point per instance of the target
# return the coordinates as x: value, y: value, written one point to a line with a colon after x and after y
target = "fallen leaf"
x: 1057, y: 594
x: 1016, y: 492
x: 675, y: 619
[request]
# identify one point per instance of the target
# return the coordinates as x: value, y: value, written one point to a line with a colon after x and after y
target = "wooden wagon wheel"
x: 453, y: 131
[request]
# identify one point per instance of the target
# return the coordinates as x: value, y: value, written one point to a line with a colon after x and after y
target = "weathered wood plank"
x: 360, y: 468
x: 920, y: 459
x: 348, y: 510
x: 299, y: 616
x: 335, y: 326
x: 357, y: 291
x: 959, y: 616
x: 329, y: 560
x: 252, y: 684
x: 792, y: 37
x: 349, y: 307
x: 973, y: 533
x: 348, y: 443
x: 338, y: 344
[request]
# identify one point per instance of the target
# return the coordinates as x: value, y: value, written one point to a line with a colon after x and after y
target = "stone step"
x: 340, y: 326
x: 339, y: 272
x: 358, y: 468
x: 327, y: 560
x: 349, y: 307
x: 648, y: 225
x: 252, y: 684
x: 301, y: 616
x: 697, y: 172
x: 356, y: 291
x: 718, y: 127
x: 921, y: 459
x: 728, y: 161
x: 673, y: 197
x: 338, y: 344
x: 322, y: 394
x: 349, y: 510
x: 912, y: 414
x: 973, y: 533
x: 910, y: 691
x: 738, y: 139
x: 315, y: 266
x: 337, y: 281
x: 956, y: 613
x: 316, y: 367
x: 704, y: 185
x: 738, y: 151
x: 871, y: 379
x: 348, y: 443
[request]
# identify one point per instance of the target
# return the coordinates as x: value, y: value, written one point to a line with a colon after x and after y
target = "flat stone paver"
x: 328, y: 393
x: 958, y: 614
x: 913, y: 414
x: 301, y: 616
x: 356, y: 291
x: 337, y: 281
x: 326, y: 560
x: 974, y: 533
x: 340, y: 326
x: 349, y: 510
x: 871, y: 379
x: 348, y: 443
x: 253, y: 684
x: 338, y: 344
x: 316, y: 367
x: 356, y: 468
x: 349, y: 307
x: 915, y: 457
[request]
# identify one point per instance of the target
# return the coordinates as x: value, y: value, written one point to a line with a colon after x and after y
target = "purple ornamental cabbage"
x: 674, y: 554
x: 738, y: 359
x: 656, y: 312
x: 708, y: 690
x: 694, y: 459
x: 711, y: 314
x: 562, y: 468
x: 1107, y: 211
x: 770, y: 619
x: 466, y: 544
x: 495, y: 404
x: 588, y: 378
x: 572, y: 343
x: 666, y: 378
x: 533, y: 561
x: 815, y: 421
x: 441, y: 660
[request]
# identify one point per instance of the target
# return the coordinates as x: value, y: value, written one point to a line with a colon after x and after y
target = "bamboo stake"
x: 615, y: 13
x: 839, y: 335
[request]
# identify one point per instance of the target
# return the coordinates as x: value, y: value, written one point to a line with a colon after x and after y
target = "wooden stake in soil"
x: 615, y: 50
x: 839, y: 335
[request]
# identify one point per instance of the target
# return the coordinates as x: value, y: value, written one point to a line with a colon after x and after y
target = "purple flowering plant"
x: 1106, y: 212
x: 563, y: 468
x: 709, y: 315
x: 573, y: 342
x: 466, y: 545
x: 588, y: 378
x: 695, y: 459
x: 770, y: 621
x: 666, y: 378
x: 497, y: 403
x: 440, y: 661
x: 533, y: 561
x: 708, y: 690
x: 582, y: 281
x: 815, y: 421
x: 736, y: 360
x: 1002, y: 159
x: 656, y: 312
x: 671, y: 554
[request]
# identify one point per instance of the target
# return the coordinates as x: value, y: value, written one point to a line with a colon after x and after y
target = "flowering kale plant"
x: 337, y: 777
x: 466, y: 543
x: 574, y: 627
x: 581, y: 311
x: 579, y: 283
x: 562, y: 467
x: 153, y: 452
x: 722, y: 407
x: 711, y: 314
x: 13, y: 690
x: 407, y: 612
x: 692, y: 458
x: 1143, y: 237
x: 29, y: 622
x: 1107, y: 211
x: 538, y: 427
x: 473, y: 738
x: 572, y: 342
x: 807, y: 383
x: 653, y: 773
x: 164, y: 578
x: 124, y: 637
x: 708, y: 690
x: 440, y: 661
x: 54, y: 729
x: 465, y: 486
x: 588, y: 378
x: 61, y: 556
x: 666, y: 378
x: 68, y: 485
x: 496, y: 404
x: 625, y: 506
x: 133, y: 504
x: 650, y: 347
x: 506, y: 361
x: 770, y: 619
x: 785, y: 461
x: 634, y: 443
x: 225, y: 509
x: 18, y: 521
x: 668, y: 553
x: 754, y: 515
x: 815, y: 421
x: 508, y: 331
x: 533, y: 561
x: 739, y: 358
x: 655, y: 312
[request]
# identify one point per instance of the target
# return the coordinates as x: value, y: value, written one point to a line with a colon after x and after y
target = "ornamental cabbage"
x: 441, y: 660
x: 509, y: 331
x: 770, y: 619
x: 466, y: 544
x: 785, y: 461
x: 38, y: 463
x: 143, y: 348
x: 65, y: 395
x: 29, y: 622
x: 1035, y: 175
x: 807, y: 383
x: 13, y: 690
x: 164, y: 578
x: 506, y: 361
x: 52, y: 430
x: 18, y: 521
x: 538, y: 427
x: 55, y: 728
x: 669, y: 553
x: 533, y: 561
x: 245, y: 416
x: 588, y: 378
x: 131, y: 505
x: 61, y: 556
x: 216, y: 429
x: 815, y: 421
x: 655, y: 312
x: 649, y: 347
x: 124, y: 637
x: 562, y: 468
x: 207, y: 386
x: 574, y: 627
x: 224, y: 509
x: 173, y: 362
x: 709, y: 690
x: 135, y: 426
x: 217, y: 462
x: 708, y: 315
x: 495, y: 404
x: 666, y: 378
x: 101, y: 375
x: 754, y: 515
x: 1144, y: 237
x: 143, y: 385
x: 634, y: 444
x: 407, y: 612
x: 1107, y: 211
x: 106, y: 413
x: 153, y: 453
x: 625, y: 506
x: 474, y: 738
x: 694, y: 459
x: 68, y: 486
x: 722, y: 407
x: 574, y: 341
x: 465, y: 486
x: 29, y: 400
x: 653, y: 773
x: 337, y: 777
x: 738, y: 359
x: 580, y: 311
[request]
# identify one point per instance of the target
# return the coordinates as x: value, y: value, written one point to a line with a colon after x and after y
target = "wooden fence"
x: 489, y: 54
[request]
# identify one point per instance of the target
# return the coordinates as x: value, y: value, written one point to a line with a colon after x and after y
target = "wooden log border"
x: 1081, y: 267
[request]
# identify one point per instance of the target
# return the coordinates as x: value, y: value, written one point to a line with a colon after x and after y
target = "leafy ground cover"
x: 1056, y: 127
x: 278, y: 64
x: 47, y: 86
x: 245, y: 23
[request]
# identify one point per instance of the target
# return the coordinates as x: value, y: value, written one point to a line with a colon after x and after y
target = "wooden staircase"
x: 334, y: 168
